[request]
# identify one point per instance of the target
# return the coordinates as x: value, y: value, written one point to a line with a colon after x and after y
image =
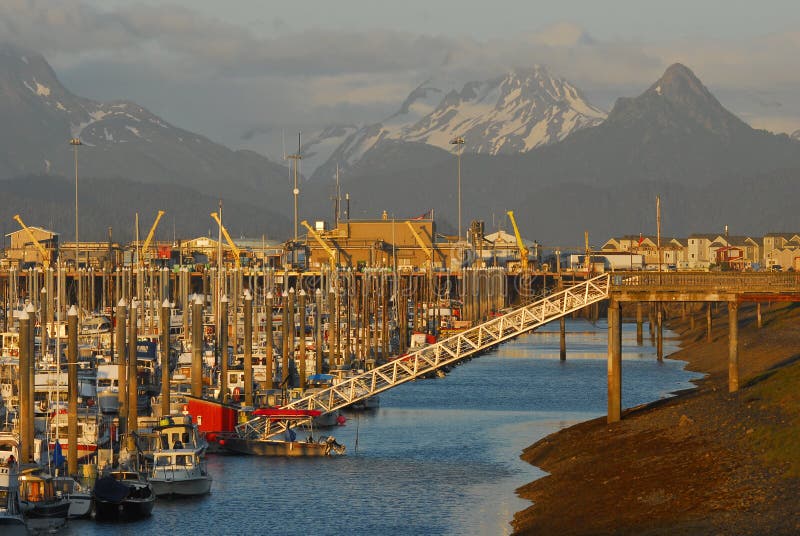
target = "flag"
x: 425, y: 216
x: 58, y: 455
x: 641, y: 239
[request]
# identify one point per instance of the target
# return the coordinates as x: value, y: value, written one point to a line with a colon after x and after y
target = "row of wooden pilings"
x: 656, y: 312
x: 367, y: 306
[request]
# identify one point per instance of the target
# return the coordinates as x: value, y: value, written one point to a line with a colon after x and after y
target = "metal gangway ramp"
x: 426, y: 360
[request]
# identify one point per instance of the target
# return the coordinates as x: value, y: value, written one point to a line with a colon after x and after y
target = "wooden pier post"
x: 133, y: 410
x: 759, y: 323
x: 660, y: 331
x: 222, y: 337
x: 318, y: 330
x: 733, y: 347
x: 197, y: 346
x: 165, y: 310
x: 248, y: 349
x: 72, y: 391
x: 708, y: 321
x: 301, y: 354
x: 614, y: 362
x: 25, y: 393
x: 691, y: 317
x: 639, y: 334
x: 270, y: 340
x: 122, y: 365
x: 333, y: 330
x: 562, y: 331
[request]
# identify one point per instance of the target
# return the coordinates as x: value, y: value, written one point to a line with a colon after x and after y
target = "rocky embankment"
x: 702, y: 462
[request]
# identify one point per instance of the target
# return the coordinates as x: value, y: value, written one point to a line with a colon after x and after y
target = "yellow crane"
x: 330, y: 251
x: 149, y: 238
x: 523, y: 251
x: 237, y: 254
x: 42, y: 250
x: 421, y: 243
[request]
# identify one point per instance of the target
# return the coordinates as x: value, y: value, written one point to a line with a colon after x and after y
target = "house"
x: 774, y: 243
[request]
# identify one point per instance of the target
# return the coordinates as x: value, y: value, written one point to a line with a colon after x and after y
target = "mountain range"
x: 674, y: 139
x: 508, y: 114
x: 121, y: 140
x: 532, y: 143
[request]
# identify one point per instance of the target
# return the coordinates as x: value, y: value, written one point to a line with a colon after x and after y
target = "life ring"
x: 237, y: 394
x: 14, y: 352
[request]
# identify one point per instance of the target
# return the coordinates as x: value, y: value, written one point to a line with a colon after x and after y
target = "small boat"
x: 123, y: 494
x: 326, y: 446
x: 288, y: 446
x: 12, y: 523
x: 179, y: 472
x: 80, y: 499
x: 40, y: 505
x: 108, y: 388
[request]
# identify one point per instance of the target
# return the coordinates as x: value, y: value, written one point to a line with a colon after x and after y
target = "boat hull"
x: 271, y: 447
x: 181, y: 488
x: 127, y: 509
x: 80, y: 506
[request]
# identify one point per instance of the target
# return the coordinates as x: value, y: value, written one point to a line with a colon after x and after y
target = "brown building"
x: 378, y: 243
x: 24, y: 252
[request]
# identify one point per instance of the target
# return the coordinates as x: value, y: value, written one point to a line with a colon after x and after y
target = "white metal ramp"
x: 447, y: 351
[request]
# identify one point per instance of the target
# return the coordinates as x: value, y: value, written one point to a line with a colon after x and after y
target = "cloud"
x: 230, y: 83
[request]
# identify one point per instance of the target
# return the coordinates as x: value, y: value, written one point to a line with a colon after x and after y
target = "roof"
x: 34, y: 228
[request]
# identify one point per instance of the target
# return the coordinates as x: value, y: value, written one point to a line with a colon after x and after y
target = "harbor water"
x: 440, y: 456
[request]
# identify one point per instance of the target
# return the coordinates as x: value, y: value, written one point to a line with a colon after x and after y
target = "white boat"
x: 96, y: 325
x: 108, y: 388
x: 179, y: 472
x: 80, y: 499
x: 12, y: 523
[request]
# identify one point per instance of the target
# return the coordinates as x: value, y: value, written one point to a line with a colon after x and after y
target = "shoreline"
x: 700, y: 462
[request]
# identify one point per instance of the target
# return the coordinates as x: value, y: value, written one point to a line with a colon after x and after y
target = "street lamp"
x: 458, y: 141
x: 75, y: 142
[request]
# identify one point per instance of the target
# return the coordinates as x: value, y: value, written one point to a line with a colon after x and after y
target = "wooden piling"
x: 222, y: 337
x: 133, y: 384
x: 72, y: 392
x: 708, y: 322
x: 639, y: 334
x: 301, y: 355
x: 197, y: 346
x: 270, y: 340
x: 614, y: 362
x: 25, y: 393
x: 733, y: 347
x: 165, y: 402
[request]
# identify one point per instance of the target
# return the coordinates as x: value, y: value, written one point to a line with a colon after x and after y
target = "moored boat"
x: 12, y: 523
x: 80, y: 499
x: 122, y: 495
x: 179, y: 472
x: 40, y: 505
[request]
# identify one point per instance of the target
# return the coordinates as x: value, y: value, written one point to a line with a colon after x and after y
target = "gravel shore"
x: 702, y: 462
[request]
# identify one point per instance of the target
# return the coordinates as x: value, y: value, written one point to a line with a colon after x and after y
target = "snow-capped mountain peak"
x: 513, y: 113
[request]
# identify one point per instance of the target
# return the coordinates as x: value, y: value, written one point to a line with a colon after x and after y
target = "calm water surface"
x: 439, y: 457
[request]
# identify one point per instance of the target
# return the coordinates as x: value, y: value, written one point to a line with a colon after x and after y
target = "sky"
x: 244, y: 72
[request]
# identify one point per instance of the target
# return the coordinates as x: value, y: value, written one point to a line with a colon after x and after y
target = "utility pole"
x: 76, y: 142
x: 458, y: 141
x: 296, y: 191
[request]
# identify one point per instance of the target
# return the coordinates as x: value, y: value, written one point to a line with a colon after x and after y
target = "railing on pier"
x: 704, y: 281
x: 430, y: 358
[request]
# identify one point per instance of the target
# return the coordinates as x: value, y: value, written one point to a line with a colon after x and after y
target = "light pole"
x: 458, y: 141
x: 75, y: 142
x: 296, y: 190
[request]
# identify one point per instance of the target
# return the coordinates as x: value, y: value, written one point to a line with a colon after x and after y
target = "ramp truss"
x: 430, y: 358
